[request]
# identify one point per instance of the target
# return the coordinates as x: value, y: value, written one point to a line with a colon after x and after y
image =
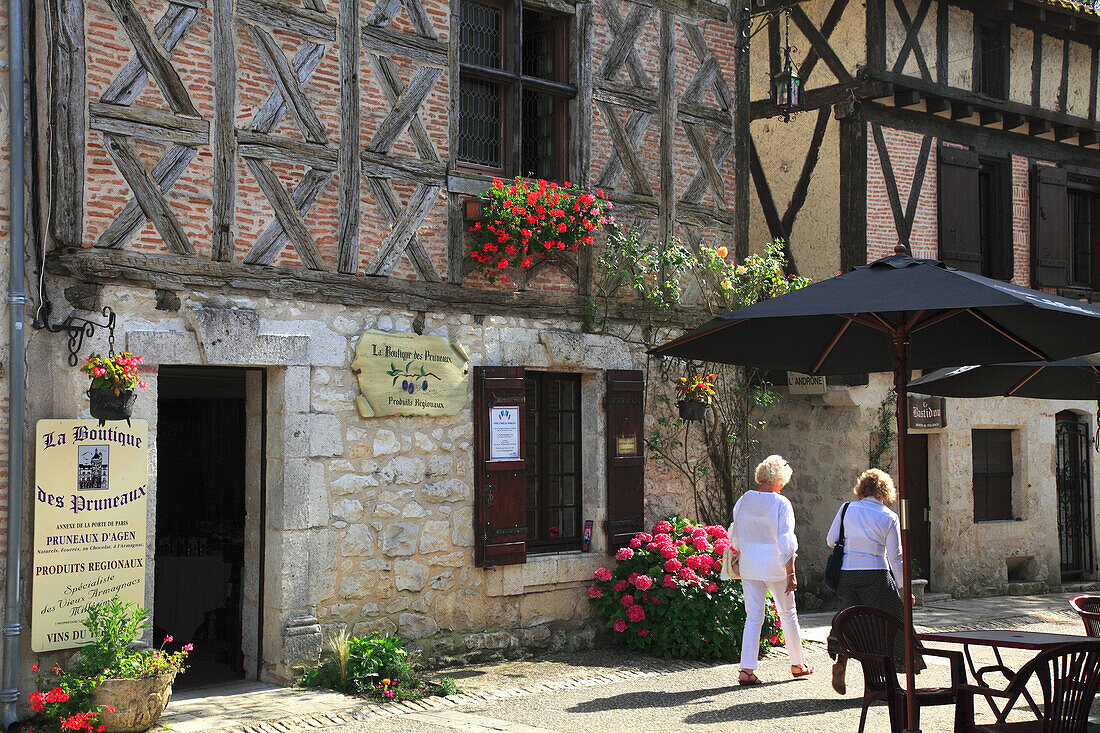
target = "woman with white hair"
x: 763, y: 535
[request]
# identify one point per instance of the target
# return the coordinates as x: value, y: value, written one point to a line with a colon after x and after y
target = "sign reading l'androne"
x: 409, y: 374
x: 90, y: 488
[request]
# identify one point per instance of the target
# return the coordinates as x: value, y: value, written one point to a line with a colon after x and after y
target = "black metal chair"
x: 1087, y: 607
x: 869, y: 635
x: 1069, y: 677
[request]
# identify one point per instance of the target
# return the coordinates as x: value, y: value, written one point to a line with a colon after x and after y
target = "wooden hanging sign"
x: 409, y: 374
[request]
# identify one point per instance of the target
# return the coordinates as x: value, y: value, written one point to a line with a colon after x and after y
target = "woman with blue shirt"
x: 872, y: 569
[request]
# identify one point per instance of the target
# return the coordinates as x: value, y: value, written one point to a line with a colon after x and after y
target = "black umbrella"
x: 896, y: 314
x: 1068, y: 379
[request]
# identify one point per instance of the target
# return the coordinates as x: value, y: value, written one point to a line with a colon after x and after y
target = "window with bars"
x: 553, y: 454
x: 992, y: 455
x: 514, y: 90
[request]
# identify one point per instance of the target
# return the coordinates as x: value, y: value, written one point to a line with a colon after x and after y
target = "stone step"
x: 937, y: 597
x: 1081, y: 586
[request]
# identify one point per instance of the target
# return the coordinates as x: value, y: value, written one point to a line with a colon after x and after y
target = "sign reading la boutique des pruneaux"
x: 409, y: 374
x: 90, y: 489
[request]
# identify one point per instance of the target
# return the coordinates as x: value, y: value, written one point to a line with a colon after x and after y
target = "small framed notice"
x: 504, y: 434
x: 626, y: 445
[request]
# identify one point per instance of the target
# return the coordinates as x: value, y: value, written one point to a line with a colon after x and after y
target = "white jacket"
x: 763, y: 533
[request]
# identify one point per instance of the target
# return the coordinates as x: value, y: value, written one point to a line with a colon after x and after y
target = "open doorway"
x: 206, y: 489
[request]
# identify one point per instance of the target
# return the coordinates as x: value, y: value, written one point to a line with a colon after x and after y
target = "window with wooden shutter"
x: 625, y: 457
x: 500, y: 506
x: 992, y: 456
x: 1050, y: 223
x: 553, y: 461
x: 960, y: 233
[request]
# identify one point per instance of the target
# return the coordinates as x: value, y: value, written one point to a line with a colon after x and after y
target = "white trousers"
x: 754, y: 619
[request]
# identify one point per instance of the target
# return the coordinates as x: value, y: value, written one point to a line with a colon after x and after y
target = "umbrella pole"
x: 901, y: 387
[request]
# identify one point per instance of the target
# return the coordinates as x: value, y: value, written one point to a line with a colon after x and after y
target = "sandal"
x: 838, y: 678
x: 805, y: 670
x: 752, y: 679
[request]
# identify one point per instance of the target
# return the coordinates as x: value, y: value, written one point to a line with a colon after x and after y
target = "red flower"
x: 635, y: 613
x: 672, y: 566
x: 628, y: 601
x: 498, y: 184
x: 643, y: 632
x: 620, y: 625
x: 621, y: 586
x: 669, y: 581
x: 662, y: 527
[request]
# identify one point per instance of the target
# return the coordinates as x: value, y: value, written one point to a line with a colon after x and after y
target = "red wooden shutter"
x: 960, y: 236
x: 1050, y: 218
x: 625, y: 457
x: 500, y: 484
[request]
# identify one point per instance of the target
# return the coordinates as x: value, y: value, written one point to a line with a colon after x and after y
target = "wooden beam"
x: 1088, y: 138
x: 287, y: 214
x: 961, y: 111
x: 271, y: 240
x: 155, y: 62
x: 402, y: 112
x: 348, y: 164
x: 853, y: 191
x: 286, y: 80
x: 906, y: 97
x: 666, y: 115
x: 1013, y: 120
x: 285, y: 16
x: 1064, y: 132
x: 140, y: 270
x: 224, y: 184
x: 989, y: 117
x: 165, y: 174
x: 934, y: 104
x: 1038, y: 126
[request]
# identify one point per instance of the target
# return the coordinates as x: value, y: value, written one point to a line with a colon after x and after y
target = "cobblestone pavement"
x: 611, y: 690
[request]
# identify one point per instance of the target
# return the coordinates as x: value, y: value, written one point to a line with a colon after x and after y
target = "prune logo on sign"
x: 408, y: 374
x: 89, y: 524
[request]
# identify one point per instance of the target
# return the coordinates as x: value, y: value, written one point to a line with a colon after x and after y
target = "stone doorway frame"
x: 295, y: 554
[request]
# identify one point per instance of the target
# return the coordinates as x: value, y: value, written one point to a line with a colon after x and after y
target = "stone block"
x: 164, y: 347
x: 435, y: 536
x: 451, y: 560
x: 349, y: 510
x: 358, y: 541
x: 403, y: 470
x: 291, y: 434
x: 295, y: 396
x: 462, y: 527
x: 299, y: 501
x: 400, y: 539
x: 353, y: 586
x: 416, y: 626
x: 381, y: 626
x: 412, y: 510
x: 444, y: 581
x: 300, y: 568
x: 352, y: 484
x: 410, y: 575
x: 301, y: 640
x: 325, y: 435
x: 449, y: 489
x: 320, y: 345
x: 385, y: 443
x: 439, y: 465
x: 537, y: 637
x: 542, y: 571
x: 423, y: 442
x: 489, y: 640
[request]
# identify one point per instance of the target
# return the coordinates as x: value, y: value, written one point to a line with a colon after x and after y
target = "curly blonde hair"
x: 876, y: 483
x: 773, y: 469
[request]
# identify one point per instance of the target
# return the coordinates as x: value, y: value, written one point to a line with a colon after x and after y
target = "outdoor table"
x: 998, y: 639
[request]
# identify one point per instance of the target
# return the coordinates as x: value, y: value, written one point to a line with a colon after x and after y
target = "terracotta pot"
x: 138, y: 703
x: 692, y: 410
x: 106, y: 405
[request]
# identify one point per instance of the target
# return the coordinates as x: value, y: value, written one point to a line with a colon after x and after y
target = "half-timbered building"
x: 968, y: 132
x: 251, y: 185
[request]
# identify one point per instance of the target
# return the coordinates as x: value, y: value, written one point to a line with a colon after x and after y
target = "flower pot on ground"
x: 111, y: 687
x: 114, y: 379
x: 137, y: 703
x: 692, y: 410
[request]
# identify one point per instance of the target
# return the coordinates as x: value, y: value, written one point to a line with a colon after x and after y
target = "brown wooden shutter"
x: 500, y: 485
x: 960, y: 237
x: 625, y: 457
x: 1050, y: 220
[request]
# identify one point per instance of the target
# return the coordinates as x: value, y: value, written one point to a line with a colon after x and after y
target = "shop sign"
x: 90, y: 488
x: 927, y: 412
x: 806, y: 383
x: 409, y: 374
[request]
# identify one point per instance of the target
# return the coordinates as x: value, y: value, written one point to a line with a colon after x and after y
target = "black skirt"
x: 872, y: 588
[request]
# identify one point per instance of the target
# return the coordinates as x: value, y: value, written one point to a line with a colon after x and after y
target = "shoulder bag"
x: 833, y: 564
x: 731, y: 560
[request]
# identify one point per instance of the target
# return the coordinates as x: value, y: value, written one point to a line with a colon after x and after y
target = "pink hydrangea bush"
x: 664, y: 595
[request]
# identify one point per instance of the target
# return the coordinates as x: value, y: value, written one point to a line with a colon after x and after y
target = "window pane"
x: 482, y: 36
x: 1080, y: 204
x: 569, y: 523
x: 567, y: 486
x: 541, y: 45
x: 480, y: 123
x: 542, y: 139
x: 992, y: 456
x: 565, y: 458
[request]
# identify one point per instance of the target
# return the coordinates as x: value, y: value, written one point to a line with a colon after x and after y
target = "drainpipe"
x: 9, y: 676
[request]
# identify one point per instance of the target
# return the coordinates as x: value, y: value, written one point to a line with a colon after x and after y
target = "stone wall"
x: 369, y: 522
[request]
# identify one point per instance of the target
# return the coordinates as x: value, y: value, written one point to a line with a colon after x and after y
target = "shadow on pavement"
x: 649, y: 699
x: 773, y: 710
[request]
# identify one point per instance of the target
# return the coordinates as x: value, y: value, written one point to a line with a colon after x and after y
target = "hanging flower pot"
x: 692, y: 410
x: 693, y: 394
x: 114, y: 380
x: 107, y: 404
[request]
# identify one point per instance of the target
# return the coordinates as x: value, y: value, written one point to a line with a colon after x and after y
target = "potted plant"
x: 114, y: 379
x: 693, y: 394
x: 523, y: 222
x: 113, y: 686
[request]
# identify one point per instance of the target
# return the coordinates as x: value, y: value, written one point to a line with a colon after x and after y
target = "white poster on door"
x: 504, y: 434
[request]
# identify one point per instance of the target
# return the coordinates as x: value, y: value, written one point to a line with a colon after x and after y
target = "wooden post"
x: 66, y: 150
x: 853, y: 188
x: 741, y: 117
x: 667, y: 111
x: 348, y: 154
x: 225, y: 139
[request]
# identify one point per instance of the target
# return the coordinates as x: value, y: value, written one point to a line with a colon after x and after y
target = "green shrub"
x: 376, y: 666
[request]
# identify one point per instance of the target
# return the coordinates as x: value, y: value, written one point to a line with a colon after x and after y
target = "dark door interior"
x: 201, y: 517
x: 1074, y: 487
x: 920, y: 526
